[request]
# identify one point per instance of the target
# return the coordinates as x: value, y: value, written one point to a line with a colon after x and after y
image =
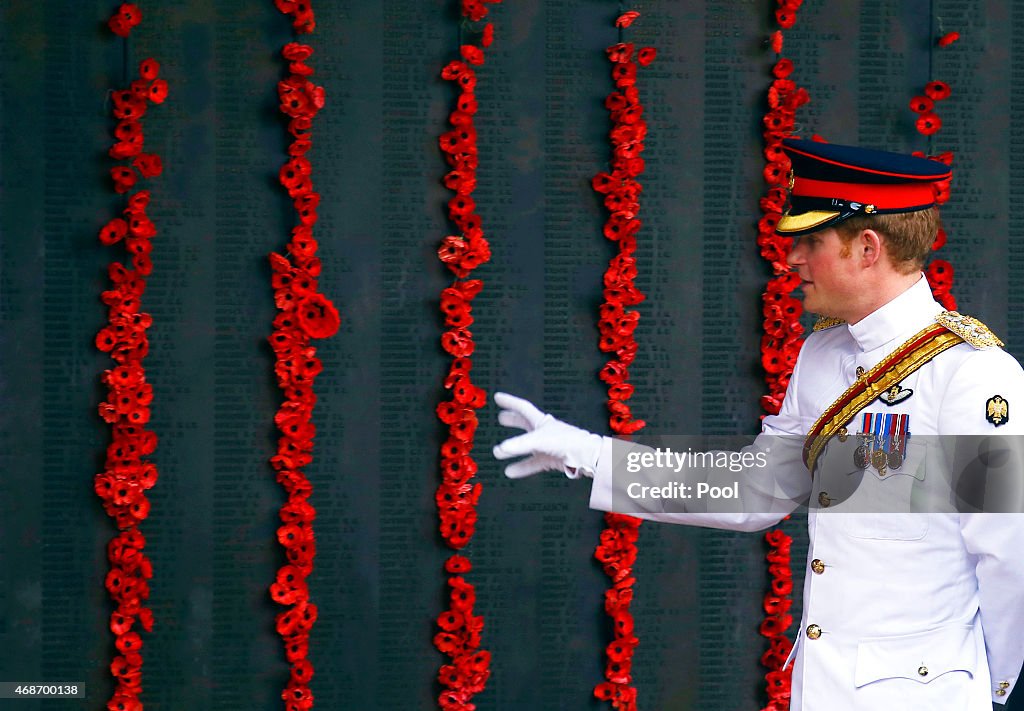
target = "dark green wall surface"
x: 378, y: 579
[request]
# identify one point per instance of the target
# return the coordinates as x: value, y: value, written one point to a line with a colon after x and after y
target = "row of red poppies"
x: 304, y: 314
x: 620, y: 189
x: 468, y: 668
x: 128, y: 474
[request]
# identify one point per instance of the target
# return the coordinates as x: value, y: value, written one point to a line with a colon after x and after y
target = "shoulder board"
x: 970, y: 329
x: 824, y: 322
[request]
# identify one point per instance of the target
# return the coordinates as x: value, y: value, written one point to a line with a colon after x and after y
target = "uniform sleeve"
x: 973, y: 405
x: 767, y: 491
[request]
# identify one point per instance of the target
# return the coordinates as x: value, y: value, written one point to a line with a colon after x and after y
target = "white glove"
x: 552, y: 444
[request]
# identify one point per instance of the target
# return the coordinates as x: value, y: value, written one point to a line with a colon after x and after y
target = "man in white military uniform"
x: 909, y: 611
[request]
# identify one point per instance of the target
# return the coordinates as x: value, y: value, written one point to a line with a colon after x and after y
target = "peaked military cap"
x: 830, y: 183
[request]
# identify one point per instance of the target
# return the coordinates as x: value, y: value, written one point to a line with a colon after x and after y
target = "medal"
x: 860, y: 457
x: 895, y: 459
x: 887, y: 435
x: 879, y: 460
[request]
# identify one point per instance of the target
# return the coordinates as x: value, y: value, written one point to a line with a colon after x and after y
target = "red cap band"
x: 883, y: 197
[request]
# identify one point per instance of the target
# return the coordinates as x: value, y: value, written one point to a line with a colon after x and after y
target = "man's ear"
x: 869, y: 245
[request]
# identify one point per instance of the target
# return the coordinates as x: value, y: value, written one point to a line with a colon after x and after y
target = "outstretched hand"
x: 552, y: 445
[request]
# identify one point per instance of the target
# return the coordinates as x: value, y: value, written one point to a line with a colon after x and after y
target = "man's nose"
x: 796, y: 254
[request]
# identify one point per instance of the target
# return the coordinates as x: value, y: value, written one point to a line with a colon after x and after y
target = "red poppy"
x: 127, y: 105
x: 624, y: 74
x: 783, y: 68
x: 114, y: 231
x: 458, y: 342
x: 928, y: 123
x: 124, y: 178
x: 775, y: 41
x: 940, y: 274
x: 623, y: 623
x: 626, y: 19
x: 488, y: 35
x: 646, y: 55
x: 149, y: 165
x: 128, y: 130
x: 937, y: 90
x: 778, y: 121
x: 294, y: 173
x: 453, y: 70
x: 299, y: 97
x: 124, y: 702
x: 921, y: 105
x: 463, y: 594
x: 124, y: 19
x: 778, y: 684
x: 299, y: 126
x: 449, y: 412
x: 127, y: 148
x: 619, y: 225
x: 303, y: 20
x: 296, y: 647
x: 775, y: 173
x: 450, y: 620
x: 447, y: 642
x: 157, y: 91
x: 128, y: 642
x: 785, y: 18
x: 465, y: 427
x: 472, y: 54
x: 296, y: 52
x: 775, y: 605
x: 305, y: 206
x: 467, y: 82
x: 774, y: 625
x: 618, y: 671
x: 475, y: 10
x: 948, y: 39
x: 470, y: 287
x: 782, y: 586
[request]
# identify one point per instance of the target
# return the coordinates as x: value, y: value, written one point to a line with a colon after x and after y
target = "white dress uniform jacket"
x: 917, y: 612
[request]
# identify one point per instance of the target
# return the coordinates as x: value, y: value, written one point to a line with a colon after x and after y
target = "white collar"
x: 907, y: 314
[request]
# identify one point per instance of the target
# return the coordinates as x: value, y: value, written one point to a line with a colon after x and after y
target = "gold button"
x: 817, y: 566
x: 813, y: 631
x: 1004, y: 685
x: 860, y: 371
x: 922, y: 670
x: 823, y: 499
x: 1000, y: 692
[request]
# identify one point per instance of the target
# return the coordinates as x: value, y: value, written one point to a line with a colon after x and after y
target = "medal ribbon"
x: 911, y: 355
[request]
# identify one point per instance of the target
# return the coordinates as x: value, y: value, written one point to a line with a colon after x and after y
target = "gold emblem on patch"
x: 997, y: 410
x: 894, y: 395
x: 824, y: 322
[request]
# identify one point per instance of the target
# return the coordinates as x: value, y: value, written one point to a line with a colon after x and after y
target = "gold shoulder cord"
x: 886, y: 374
